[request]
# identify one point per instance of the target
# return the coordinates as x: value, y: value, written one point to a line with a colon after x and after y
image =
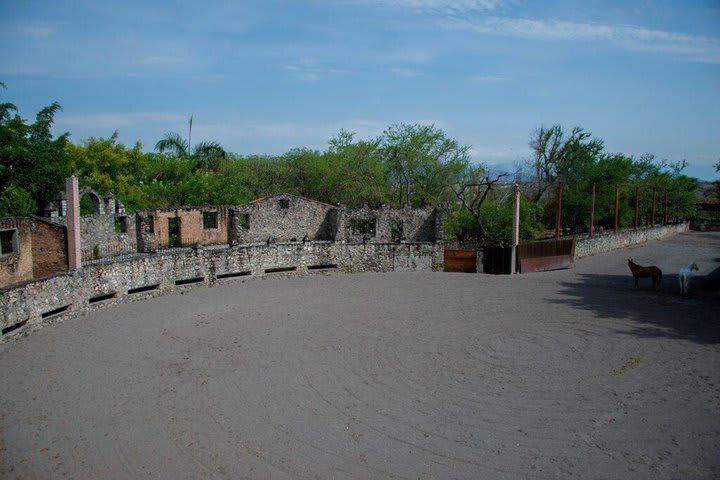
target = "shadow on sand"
x: 663, y: 313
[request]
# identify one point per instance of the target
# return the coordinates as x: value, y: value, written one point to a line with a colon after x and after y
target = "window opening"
x: 363, y: 226
x: 210, y: 220
x: 284, y: 203
x: 245, y: 221
x: 8, y: 242
x: 174, y: 232
x: 121, y: 224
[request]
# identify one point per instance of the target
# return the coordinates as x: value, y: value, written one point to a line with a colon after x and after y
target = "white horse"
x: 684, y: 277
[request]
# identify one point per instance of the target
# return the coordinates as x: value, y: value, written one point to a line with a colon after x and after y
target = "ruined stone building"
x: 36, y: 247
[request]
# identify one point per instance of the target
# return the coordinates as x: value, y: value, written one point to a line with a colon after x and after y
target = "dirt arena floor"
x: 565, y: 374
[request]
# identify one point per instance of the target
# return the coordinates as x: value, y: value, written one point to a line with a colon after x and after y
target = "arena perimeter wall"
x: 29, y: 306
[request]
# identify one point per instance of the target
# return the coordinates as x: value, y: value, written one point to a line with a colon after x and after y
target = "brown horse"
x: 638, y: 271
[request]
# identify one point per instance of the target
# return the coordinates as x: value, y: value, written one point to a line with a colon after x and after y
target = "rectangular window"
x: 151, y: 224
x: 245, y: 221
x: 284, y: 204
x: 363, y: 226
x: 8, y: 242
x: 121, y: 224
x: 210, y: 220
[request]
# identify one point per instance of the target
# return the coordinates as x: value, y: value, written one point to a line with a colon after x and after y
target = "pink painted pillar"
x: 73, y: 222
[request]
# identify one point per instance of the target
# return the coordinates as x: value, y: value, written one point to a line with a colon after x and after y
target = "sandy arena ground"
x: 566, y: 374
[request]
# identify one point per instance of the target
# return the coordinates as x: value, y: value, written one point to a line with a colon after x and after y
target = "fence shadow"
x: 653, y: 314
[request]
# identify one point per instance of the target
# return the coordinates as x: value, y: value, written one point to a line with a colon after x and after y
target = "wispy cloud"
x: 36, y: 30
x: 686, y: 46
x: 115, y: 121
x: 488, y: 78
x: 440, y: 5
x: 160, y: 60
x: 313, y: 70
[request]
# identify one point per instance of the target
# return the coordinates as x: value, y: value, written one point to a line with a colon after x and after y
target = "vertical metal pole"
x: 592, y: 213
x: 515, y: 228
x: 665, y: 212
x: 73, y: 223
x: 637, y: 204
x: 617, y: 209
x: 559, y: 209
x: 652, y: 215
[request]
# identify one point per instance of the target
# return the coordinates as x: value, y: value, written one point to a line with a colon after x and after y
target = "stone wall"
x: 32, y: 305
x: 100, y: 231
x: 284, y: 218
x: 605, y: 242
x: 16, y: 265
x: 705, y: 225
x: 386, y: 225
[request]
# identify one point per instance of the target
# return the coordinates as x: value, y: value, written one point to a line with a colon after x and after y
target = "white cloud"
x: 690, y: 47
x: 160, y: 60
x: 487, y: 78
x: 115, y: 121
x: 312, y: 70
x: 453, y: 5
x: 36, y: 30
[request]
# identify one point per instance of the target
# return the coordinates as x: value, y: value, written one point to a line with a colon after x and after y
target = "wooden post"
x: 637, y: 204
x: 652, y: 215
x: 558, y: 216
x: 592, y: 212
x: 617, y: 205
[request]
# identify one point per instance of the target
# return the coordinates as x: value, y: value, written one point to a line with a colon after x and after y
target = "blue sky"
x: 267, y: 76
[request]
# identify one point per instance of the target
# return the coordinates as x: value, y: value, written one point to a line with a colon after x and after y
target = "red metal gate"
x: 546, y: 255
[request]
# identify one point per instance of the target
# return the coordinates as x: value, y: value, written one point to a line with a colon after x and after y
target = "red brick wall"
x: 49, y: 249
x: 17, y: 267
x: 191, y: 225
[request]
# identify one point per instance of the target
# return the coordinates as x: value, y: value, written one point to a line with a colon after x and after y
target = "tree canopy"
x: 408, y: 165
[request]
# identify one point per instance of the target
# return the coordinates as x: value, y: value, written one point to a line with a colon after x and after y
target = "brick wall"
x: 192, y: 227
x: 17, y: 266
x: 49, y: 248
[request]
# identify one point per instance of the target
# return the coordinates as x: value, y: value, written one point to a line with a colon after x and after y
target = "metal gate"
x: 461, y: 261
x: 546, y: 255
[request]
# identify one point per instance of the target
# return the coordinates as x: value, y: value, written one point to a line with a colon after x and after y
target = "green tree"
x: 106, y: 165
x: 205, y: 155
x: 16, y: 201
x: 422, y: 164
x: 29, y: 156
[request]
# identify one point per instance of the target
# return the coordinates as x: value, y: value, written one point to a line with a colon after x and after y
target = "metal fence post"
x: 592, y: 212
x: 652, y: 215
x: 559, y: 209
x: 617, y: 205
x: 637, y: 204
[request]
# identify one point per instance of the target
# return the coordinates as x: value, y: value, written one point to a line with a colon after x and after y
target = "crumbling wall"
x: 39, y: 249
x: 207, y: 225
x: 108, y: 231
x: 16, y: 259
x: 49, y: 248
x: 284, y: 218
x: 387, y: 225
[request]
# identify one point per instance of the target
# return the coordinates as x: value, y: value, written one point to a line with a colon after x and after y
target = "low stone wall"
x: 30, y: 306
x: 705, y: 225
x: 605, y: 242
